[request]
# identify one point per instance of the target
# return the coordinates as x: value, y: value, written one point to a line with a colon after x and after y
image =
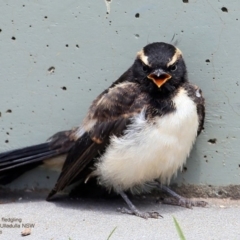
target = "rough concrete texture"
x: 56, y: 58
x: 78, y: 219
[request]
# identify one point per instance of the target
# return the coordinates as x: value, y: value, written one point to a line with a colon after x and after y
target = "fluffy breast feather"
x: 150, y: 150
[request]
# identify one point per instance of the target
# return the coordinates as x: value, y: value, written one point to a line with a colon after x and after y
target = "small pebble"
x: 26, y: 231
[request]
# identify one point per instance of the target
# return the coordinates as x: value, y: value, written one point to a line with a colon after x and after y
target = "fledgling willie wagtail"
x: 137, y: 134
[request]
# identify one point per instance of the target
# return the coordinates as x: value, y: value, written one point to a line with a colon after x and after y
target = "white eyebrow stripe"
x: 143, y: 57
x: 175, y: 57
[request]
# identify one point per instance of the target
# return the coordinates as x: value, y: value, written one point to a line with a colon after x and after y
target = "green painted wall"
x: 89, y: 49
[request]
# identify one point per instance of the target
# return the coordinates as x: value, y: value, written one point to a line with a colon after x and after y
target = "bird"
x: 136, y: 136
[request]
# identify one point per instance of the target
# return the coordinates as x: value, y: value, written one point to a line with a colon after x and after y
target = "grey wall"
x: 89, y: 49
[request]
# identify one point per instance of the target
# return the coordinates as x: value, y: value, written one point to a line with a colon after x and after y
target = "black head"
x: 160, y: 67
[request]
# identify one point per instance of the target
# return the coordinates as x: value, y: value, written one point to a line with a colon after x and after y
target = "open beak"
x: 159, y: 77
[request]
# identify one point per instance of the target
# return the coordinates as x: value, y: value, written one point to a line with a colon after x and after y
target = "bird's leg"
x: 181, y: 201
x: 134, y: 211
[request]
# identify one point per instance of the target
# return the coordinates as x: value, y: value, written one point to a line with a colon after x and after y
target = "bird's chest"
x: 150, y: 149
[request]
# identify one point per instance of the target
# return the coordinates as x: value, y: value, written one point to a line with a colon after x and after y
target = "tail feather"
x: 15, y: 162
x: 27, y: 160
x: 20, y: 157
x: 23, y: 152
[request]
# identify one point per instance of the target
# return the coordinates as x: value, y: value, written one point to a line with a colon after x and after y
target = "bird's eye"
x: 173, y: 68
x: 145, y: 68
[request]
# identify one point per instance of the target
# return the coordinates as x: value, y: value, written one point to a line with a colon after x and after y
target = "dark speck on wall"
x: 224, y: 9
x: 51, y: 69
x: 212, y: 140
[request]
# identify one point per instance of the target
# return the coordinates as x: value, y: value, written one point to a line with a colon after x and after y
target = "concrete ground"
x: 78, y: 219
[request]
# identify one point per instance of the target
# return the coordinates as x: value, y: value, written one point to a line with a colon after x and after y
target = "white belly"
x: 150, y: 151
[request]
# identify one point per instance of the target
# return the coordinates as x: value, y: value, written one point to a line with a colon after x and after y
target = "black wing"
x: 108, y: 115
x: 196, y: 94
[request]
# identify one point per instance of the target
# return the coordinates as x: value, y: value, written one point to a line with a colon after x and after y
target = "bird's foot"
x: 179, y: 200
x: 137, y: 213
x: 134, y: 211
x: 184, y: 202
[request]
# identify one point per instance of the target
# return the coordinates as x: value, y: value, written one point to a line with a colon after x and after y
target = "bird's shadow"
x: 107, y: 205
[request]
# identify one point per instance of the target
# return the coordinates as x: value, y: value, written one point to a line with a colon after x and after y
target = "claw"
x: 184, y: 202
x: 134, y: 211
x: 137, y: 213
x: 179, y: 200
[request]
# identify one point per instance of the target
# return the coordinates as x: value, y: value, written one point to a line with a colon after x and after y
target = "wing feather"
x: 108, y: 115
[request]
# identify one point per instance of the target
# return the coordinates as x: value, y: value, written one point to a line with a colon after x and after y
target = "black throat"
x: 161, y: 100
